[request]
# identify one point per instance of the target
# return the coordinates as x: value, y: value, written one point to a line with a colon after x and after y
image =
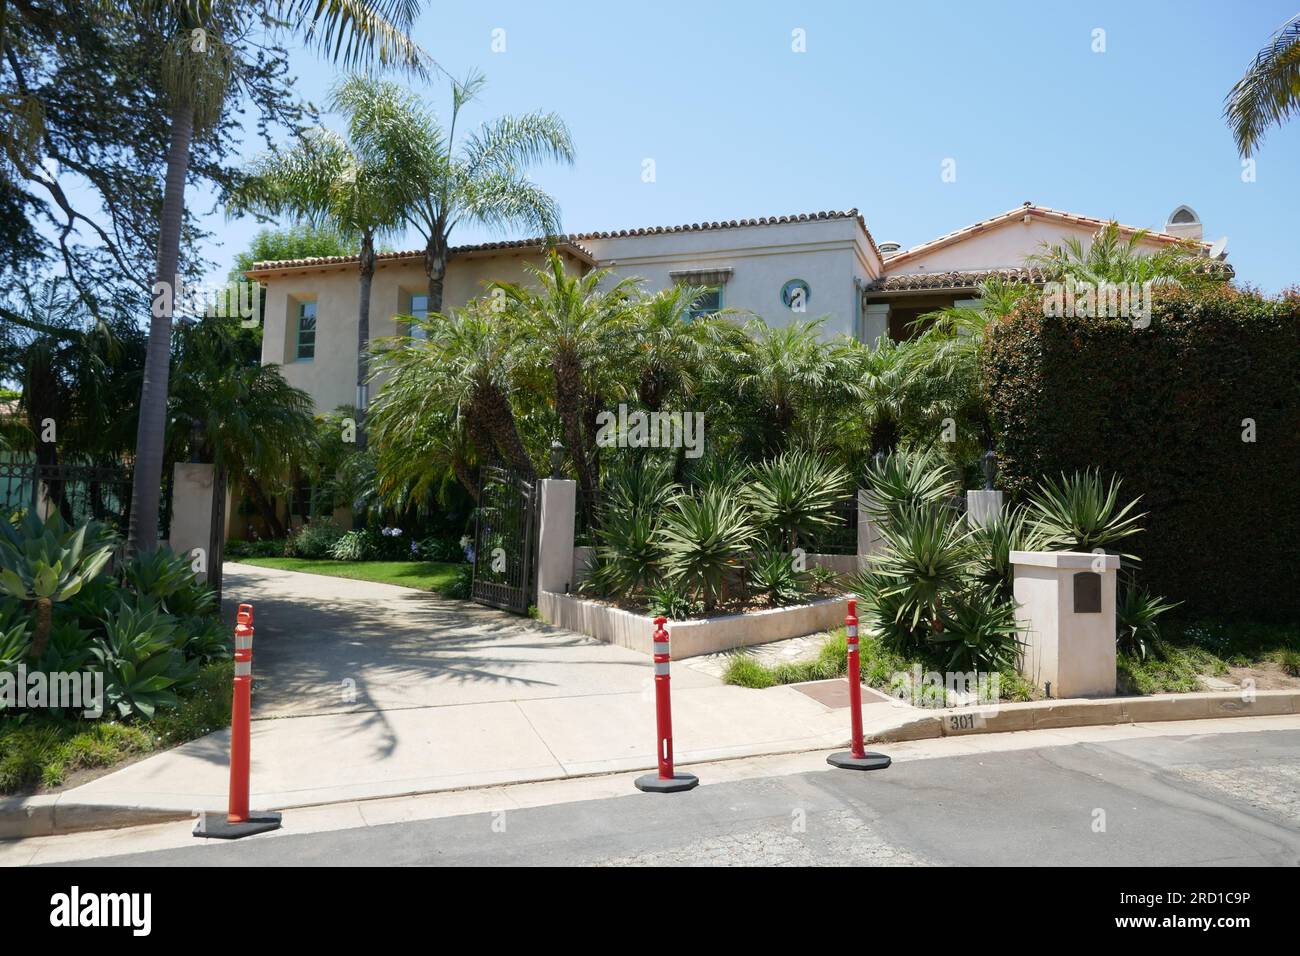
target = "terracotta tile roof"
x: 563, y: 242
x: 920, y: 281
x: 736, y: 224
x: 1027, y: 209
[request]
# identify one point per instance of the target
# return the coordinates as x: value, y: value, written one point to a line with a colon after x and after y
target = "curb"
x: 1083, y: 712
x: 51, y: 815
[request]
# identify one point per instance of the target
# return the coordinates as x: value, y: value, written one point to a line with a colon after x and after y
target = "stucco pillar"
x: 870, y: 541
x: 875, y: 321
x: 192, y: 511
x: 557, y: 506
x: 983, y: 507
x: 1065, y: 606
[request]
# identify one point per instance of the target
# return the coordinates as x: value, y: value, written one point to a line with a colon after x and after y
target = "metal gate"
x: 505, y: 540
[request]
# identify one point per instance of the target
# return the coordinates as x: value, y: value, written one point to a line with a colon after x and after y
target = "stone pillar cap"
x: 1067, y: 560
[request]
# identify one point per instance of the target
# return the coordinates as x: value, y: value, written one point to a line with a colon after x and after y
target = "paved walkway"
x: 366, y: 690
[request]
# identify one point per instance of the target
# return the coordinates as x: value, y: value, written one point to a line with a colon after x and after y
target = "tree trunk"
x: 146, y: 480
x: 435, y: 267
x: 363, y: 332
x: 264, y: 507
x: 499, y: 419
x: 41, y: 635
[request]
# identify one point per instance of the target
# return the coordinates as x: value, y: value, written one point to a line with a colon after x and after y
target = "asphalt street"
x: 1214, y: 799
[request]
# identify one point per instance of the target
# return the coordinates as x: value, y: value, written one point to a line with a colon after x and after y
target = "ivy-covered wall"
x: 1198, y: 413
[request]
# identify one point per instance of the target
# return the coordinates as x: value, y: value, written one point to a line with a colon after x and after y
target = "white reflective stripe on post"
x: 664, y: 647
x: 243, y: 668
x: 661, y: 667
x: 852, y: 630
x: 243, y: 643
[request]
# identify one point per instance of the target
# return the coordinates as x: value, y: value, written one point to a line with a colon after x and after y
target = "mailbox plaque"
x: 1087, y: 592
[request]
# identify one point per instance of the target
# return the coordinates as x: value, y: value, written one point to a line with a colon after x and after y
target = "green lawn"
x: 425, y: 575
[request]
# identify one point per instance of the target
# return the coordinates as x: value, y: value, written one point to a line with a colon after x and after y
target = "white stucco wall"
x: 827, y: 254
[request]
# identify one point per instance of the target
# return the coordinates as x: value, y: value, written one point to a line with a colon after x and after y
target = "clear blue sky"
x: 739, y: 125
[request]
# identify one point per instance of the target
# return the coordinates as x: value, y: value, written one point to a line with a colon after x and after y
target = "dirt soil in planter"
x: 1266, y: 675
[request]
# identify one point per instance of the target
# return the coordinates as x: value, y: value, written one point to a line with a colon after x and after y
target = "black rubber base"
x: 869, y: 761
x: 651, y: 783
x: 216, y: 827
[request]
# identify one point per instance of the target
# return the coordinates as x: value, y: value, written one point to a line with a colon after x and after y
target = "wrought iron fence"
x: 842, y: 536
x: 79, y: 493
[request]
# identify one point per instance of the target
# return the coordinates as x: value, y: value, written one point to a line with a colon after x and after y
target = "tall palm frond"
x: 1268, y: 94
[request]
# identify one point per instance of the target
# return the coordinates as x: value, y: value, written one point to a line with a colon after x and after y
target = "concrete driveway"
x: 368, y: 690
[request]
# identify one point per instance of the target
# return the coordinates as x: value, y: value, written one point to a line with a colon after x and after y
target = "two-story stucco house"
x: 782, y: 268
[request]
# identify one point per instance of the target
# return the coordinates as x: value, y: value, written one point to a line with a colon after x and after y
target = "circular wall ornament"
x: 795, y: 295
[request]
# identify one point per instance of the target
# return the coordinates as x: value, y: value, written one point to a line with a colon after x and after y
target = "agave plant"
x: 143, y: 667
x: 1081, y: 513
x: 628, y: 550
x: 979, y: 632
x: 46, y: 562
x: 907, y: 479
x: 794, y: 495
x: 704, y: 538
x: 14, y: 645
x: 928, y: 554
x: 772, y: 574
x: 885, y: 614
x: 994, y: 542
x: 1136, y: 630
x: 168, y: 578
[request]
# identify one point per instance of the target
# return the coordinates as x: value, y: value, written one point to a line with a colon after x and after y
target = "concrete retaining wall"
x: 690, y: 638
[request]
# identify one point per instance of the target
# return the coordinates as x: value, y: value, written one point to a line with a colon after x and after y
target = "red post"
x: 667, y: 781
x: 856, y: 757
x: 240, y: 716
x: 855, y: 680
x: 663, y: 699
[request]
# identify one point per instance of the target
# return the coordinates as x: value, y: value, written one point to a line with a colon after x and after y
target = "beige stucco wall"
x: 827, y: 254
x: 1003, y: 246
x: 330, y: 377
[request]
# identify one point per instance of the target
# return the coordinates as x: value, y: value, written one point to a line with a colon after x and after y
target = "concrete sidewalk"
x: 371, y: 690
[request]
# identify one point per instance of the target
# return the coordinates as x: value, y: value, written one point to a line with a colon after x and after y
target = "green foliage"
x: 994, y: 542
x: 1289, y: 661
x: 928, y: 555
x: 904, y: 480
x: 1137, y: 632
x: 705, y: 537
x: 300, y: 241
x: 629, y: 546
x: 167, y: 578
x: 237, y: 548
x: 356, y: 545
x: 1173, y: 408
x: 314, y: 540
x: 142, y: 663
x: 979, y: 633
x: 667, y: 599
x: 461, y: 586
x: 1079, y: 513
x: 772, y: 575
x: 793, y: 496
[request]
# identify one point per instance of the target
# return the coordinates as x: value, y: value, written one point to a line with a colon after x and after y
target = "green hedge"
x: 1163, y: 408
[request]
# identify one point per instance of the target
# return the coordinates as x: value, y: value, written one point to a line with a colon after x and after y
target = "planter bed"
x: 694, y: 637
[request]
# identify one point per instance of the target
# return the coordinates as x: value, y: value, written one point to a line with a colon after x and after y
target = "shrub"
x: 793, y: 496
x: 1136, y: 611
x: 704, y: 537
x: 1078, y: 514
x: 447, y: 550
x: 462, y: 586
x: 1197, y: 412
x: 142, y: 663
x: 666, y: 599
x: 168, y: 579
x: 313, y: 540
x: 356, y: 545
x: 258, y: 548
x: 772, y: 575
x: 907, y: 479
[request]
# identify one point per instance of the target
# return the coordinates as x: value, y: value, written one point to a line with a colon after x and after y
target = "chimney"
x: 1185, y: 224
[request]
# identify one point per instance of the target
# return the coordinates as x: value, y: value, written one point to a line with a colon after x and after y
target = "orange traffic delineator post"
x: 239, y: 821
x: 856, y: 758
x: 665, y: 781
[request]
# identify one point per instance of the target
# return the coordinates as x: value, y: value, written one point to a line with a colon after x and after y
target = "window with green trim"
x: 305, y: 340
x: 419, y: 310
x: 708, y: 303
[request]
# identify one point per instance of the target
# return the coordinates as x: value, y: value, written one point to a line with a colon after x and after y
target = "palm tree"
x: 480, y: 180
x: 1113, y: 257
x: 331, y: 181
x: 671, y: 347
x: 791, y: 372
x: 1269, y: 92
x: 461, y: 372
x: 200, y: 80
x: 578, y: 331
x: 252, y: 424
